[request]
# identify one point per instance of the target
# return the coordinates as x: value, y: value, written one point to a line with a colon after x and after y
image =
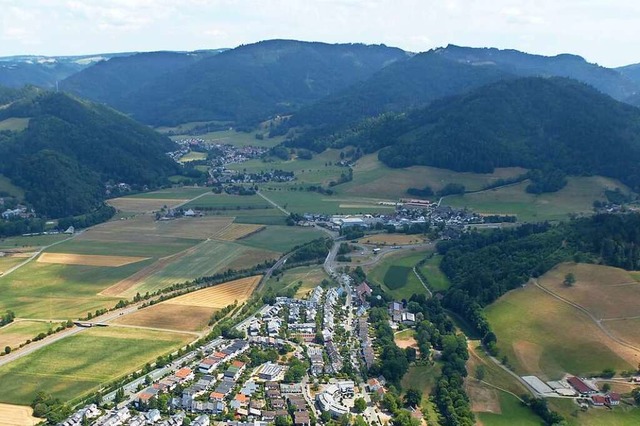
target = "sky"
x: 605, y: 32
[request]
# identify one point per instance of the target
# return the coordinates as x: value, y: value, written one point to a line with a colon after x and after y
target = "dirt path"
x: 422, y: 282
x: 273, y: 203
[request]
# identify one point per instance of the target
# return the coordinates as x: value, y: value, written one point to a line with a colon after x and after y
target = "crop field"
x: 8, y: 262
x: 437, y: 280
x: 146, y: 229
x: 179, y: 193
x: 83, y: 244
x: 604, y: 291
x: 221, y: 295
x: 204, y: 259
x: 282, y: 238
x: 371, y: 178
x: 79, y: 364
x: 237, y: 231
x: 17, y: 415
x: 193, y: 156
x: 143, y: 205
x: 577, y: 197
x: 309, y: 276
x: 228, y: 202
x: 88, y: 259
x: 307, y: 201
x: 405, y: 282
x: 260, y: 217
x: 14, y: 124
x: 547, y: 337
x: 170, y: 317
x: 391, y: 239
x: 18, y: 332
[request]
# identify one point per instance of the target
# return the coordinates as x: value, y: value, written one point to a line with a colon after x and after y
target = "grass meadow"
x: 395, y: 274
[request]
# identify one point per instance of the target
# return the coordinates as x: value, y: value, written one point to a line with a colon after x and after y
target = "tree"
x: 360, y: 421
x: 360, y: 405
x: 636, y: 395
x: 569, y: 279
x: 480, y: 372
x: 606, y: 387
x: 7, y: 350
x: 119, y: 396
x: 283, y: 421
x: 413, y: 397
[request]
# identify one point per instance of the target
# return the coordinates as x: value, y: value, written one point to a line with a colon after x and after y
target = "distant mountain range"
x: 67, y: 149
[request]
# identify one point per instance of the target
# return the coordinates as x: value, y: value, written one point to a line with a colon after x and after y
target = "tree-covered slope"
x: 254, y: 81
x: 71, y: 148
x: 114, y: 80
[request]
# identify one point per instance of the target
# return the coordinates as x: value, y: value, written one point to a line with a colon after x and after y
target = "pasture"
x: 230, y: 137
x: 544, y: 336
x: 17, y: 415
x: 8, y: 262
x: 220, y: 295
x: 282, y: 238
x: 226, y: 202
x: 88, y: 259
x: 193, y: 156
x: 260, y: 217
x: 143, y: 205
x: 177, y: 193
x: 20, y: 331
x: 395, y: 273
x: 512, y: 412
x: 79, y: 364
x: 372, y: 178
x: 577, y: 197
x: 170, y: 317
x: 238, y: 231
x: 31, y: 242
x: 622, y: 415
x: 392, y: 239
x: 14, y: 124
x: 436, y: 279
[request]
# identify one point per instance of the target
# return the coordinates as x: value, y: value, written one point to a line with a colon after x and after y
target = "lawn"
x: 309, y: 276
x: 18, y: 332
x: 436, y: 280
x: 229, y: 203
x: 282, y: 238
x: 577, y: 197
x: 399, y: 263
x: 79, y: 364
x: 546, y: 337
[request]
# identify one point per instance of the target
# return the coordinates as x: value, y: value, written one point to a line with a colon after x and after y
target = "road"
x: 273, y: 203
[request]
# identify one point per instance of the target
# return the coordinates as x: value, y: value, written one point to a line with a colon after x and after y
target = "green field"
x: 622, y: 415
x: 313, y: 202
x: 7, y: 263
x: 81, y: 363
x: 436, y: 280
x: 14, y: 124
x: 577, y: 197
x: 399, y: 262
x: 371, y: 178
x: 179, y: 193
x: 205, y: 259
x: 512, y: 413
x: 397, y: 276
x: 230, y: 137
x: 41, y: 290
x: 310, y: 276
x: 229, y: 203
x: 193, y: 156
x: 260, y: 217
x: 10, y: 188
x: 18, y: 332
x: 282, y: 238
x: 116, y: 248
x: 543, y: 336
x: 35, y: 241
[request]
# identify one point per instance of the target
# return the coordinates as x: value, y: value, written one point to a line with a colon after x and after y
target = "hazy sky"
x: 606, y: 32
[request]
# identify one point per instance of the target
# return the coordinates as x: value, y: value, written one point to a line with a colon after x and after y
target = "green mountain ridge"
x: 71, y: 148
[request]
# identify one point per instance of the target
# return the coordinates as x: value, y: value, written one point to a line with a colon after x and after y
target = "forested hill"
x: 114, y: 80
x: 536, y: 123
x: 71, y: 148
x: 255, y: 81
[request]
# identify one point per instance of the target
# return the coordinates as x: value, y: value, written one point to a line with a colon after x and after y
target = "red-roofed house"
x: 598, y: 400
x: 216, y: 396
x: 613, y: 399
x: 185, y: 374
x: 581, y: 387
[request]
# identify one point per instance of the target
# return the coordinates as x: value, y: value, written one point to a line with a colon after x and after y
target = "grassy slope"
x: 75, y: 366
x: 577, y: 197
x: 10, y: 188
x: 436, y: 280
x: 406, y: 259
x: 311, y: 276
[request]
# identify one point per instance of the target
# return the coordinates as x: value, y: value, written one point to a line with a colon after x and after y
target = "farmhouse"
x: 580, y: 386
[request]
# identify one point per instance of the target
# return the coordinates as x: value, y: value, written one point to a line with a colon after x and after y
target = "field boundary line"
x: 273, y: 203
x: 164, y: 330
x: 188, y: 201
x: 422, y: 282
x: 35, y: 255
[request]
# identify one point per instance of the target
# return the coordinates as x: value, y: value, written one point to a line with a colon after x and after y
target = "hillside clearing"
x: 89, y: 260
x: 219, y: 296
x: 14, y: 124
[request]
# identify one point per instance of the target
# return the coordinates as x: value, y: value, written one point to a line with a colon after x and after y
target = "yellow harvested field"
x: 219, y: 295
x: 391, y: 239
x: 17, y: 415
x: 236, y: 231
x: 606, y: 292
x: 142, y: 205
x: 88, y: 259
x: 170, y: 317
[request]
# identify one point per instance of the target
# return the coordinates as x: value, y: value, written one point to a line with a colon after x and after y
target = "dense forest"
x: 484, y: 266
x: 71, y: 148
x: 556, y: 125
